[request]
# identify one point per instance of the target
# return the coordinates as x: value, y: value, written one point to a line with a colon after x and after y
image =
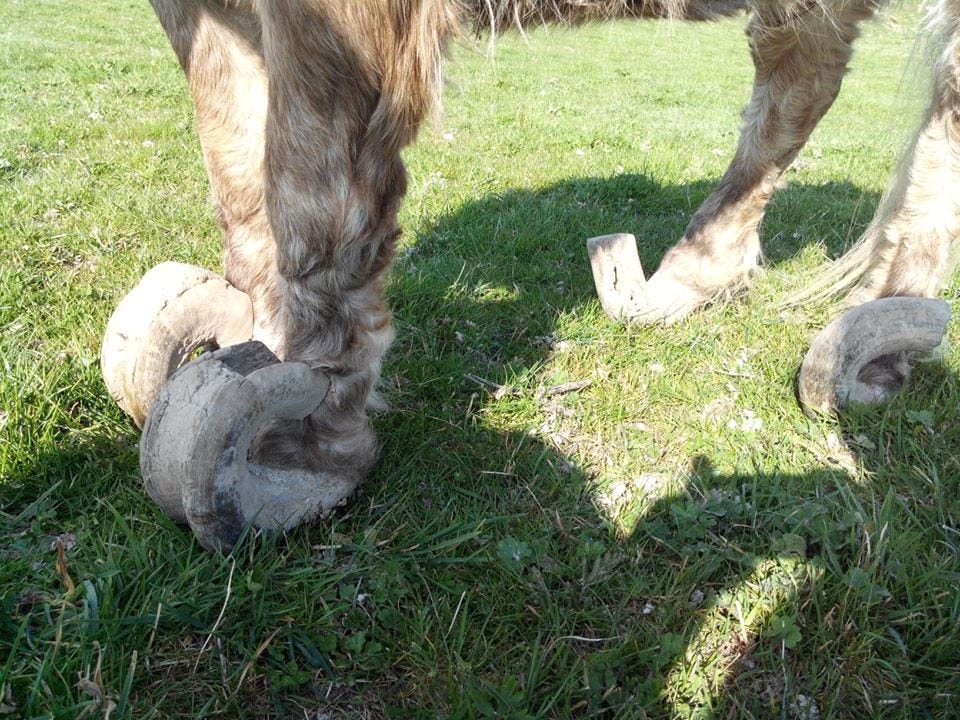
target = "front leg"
x: 347, y: 91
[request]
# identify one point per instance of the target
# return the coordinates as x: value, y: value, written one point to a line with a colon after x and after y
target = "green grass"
x: 633, y: 549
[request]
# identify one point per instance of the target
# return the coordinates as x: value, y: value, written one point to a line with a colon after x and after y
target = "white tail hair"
x: 850, y: 276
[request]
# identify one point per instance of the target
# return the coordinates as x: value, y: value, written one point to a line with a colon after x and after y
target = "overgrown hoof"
x: 194, y: 454
x: 173, y: 311
x: 624, y: 292
x: 864, y: 355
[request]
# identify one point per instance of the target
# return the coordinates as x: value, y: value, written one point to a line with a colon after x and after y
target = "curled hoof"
x: 173, y: 311
x: 624, y: 292
x: 194, y: 454
x: 863, y: 355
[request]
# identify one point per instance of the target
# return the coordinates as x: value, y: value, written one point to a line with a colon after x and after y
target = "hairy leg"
x: 800, y: 52
x: 349, y: 84
x: 913, y: 242
x: 303, y: 107
x: 219, y: 47
x: 507, y: 14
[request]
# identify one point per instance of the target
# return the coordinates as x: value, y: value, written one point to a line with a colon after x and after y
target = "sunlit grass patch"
x: 572, y: 517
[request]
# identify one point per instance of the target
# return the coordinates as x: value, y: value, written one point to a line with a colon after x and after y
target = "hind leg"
x: 800, y: 53
x: 913, y: 242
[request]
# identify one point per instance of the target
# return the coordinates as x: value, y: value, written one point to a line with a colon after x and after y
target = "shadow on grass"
x: 763, y: 594
x: 731, y: 595
x: 539, y: 235
x: 481, y: 573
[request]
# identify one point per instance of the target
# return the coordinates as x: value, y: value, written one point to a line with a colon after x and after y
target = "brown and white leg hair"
x: 800, y: 51
x: 219, y: 48
x: 914, y: 240
x: 303, y: 107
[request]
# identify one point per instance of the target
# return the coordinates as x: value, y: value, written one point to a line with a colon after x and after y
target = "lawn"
x: 674, y: 539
